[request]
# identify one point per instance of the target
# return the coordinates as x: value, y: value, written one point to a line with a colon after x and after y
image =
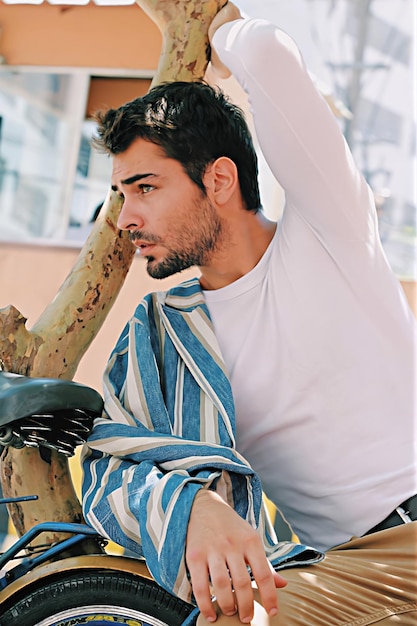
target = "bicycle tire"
x: 96, y: 598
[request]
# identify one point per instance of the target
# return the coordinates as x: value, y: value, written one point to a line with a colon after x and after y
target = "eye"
x: 144, y: 188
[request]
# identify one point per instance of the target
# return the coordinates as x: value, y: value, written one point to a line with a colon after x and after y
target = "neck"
x: 246, y: 242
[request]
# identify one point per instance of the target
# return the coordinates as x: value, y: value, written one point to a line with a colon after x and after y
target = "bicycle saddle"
x: 57, y: 414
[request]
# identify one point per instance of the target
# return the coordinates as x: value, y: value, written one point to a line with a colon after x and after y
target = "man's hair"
x: 193, y: 123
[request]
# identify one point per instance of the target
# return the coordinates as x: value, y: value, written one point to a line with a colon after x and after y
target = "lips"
x: 143, y: 247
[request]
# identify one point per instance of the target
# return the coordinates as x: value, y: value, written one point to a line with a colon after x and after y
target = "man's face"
x: 172, y: 223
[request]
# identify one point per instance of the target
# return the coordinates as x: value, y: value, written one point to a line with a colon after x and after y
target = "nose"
x: 129, y: 217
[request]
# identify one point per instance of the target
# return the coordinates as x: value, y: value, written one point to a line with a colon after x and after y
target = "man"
x: 292, y: 355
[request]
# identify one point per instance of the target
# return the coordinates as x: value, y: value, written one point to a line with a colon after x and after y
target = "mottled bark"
x: 18, y: 346
x: 58, y: 340
x: 185, y: 45
x: 54, y: 348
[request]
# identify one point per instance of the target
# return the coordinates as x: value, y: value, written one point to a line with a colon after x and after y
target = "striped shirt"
x: 167, y: 431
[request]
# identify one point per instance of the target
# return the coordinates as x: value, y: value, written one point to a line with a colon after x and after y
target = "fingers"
x: 279, y: 581
x: 232, y: 586
x: 228, y: 13
x: 201, y: 589
x: 267, y: 581
x: 220, y: 547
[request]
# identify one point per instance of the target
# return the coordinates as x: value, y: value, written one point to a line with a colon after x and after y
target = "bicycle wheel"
x: 96, y: 598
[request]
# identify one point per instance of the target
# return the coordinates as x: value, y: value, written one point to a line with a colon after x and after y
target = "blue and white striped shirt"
x: 169, y: 430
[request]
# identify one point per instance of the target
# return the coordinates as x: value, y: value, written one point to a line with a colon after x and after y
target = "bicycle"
x: 56, y: 584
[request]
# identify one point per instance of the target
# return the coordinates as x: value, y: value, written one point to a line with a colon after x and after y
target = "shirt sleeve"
x: 140, y: 479
x: 297, y: 132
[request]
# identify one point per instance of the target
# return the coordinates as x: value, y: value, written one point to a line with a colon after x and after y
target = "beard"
x: 194, y: 241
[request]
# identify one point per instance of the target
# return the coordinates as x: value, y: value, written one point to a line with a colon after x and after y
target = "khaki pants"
x: 369, y: 580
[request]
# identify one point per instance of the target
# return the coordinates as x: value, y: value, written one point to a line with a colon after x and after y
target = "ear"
x: 221, y: 180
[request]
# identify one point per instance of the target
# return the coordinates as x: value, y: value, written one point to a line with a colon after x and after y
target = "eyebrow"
x: 132, y: 179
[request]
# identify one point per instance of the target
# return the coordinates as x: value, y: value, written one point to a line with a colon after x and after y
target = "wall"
x: 79, y: 36
x: 30, y: 276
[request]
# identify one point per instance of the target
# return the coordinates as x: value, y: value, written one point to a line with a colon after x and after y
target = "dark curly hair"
x: 193, y: 123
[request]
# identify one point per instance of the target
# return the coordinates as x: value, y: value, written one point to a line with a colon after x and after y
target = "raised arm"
x: 297, y: 132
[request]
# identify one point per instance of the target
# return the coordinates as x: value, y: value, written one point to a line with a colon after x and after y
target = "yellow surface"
x: 113, y: 548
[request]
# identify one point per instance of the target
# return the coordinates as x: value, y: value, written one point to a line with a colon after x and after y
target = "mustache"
x: 140, y: 235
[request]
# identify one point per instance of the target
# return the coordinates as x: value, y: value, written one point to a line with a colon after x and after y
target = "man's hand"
x: 220, y: 546
x: 229, y: 13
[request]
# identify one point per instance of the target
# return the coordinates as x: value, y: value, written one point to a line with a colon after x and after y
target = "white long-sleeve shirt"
x: 318, y: 338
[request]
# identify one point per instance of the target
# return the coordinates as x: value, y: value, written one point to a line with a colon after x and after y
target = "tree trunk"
x: 64, y: 331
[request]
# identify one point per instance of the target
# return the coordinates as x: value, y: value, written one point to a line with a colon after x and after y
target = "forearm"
x: 297, y: 132
x: 106, y: 502
x: 144, y: 510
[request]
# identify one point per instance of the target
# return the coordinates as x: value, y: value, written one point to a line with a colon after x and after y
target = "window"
x: 51, y: 181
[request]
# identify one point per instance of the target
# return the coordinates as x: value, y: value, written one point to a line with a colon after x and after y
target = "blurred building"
x: 364, y: 51
x: 61, y: 63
